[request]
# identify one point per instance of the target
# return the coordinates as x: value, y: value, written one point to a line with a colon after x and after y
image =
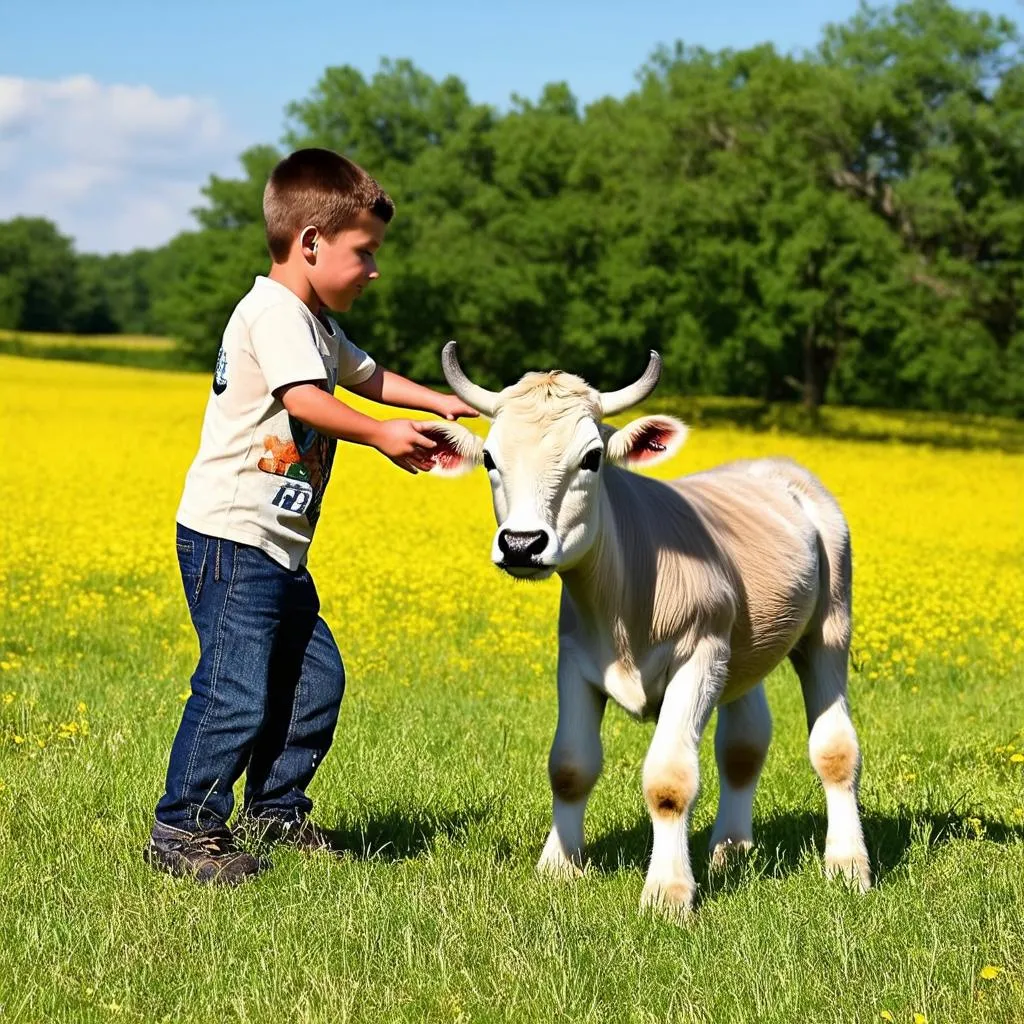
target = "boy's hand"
x: 404, y: 443
x: 451, y: 407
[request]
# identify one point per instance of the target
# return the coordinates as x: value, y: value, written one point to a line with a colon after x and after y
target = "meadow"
x: 140, y: 350
x: 437, y: 784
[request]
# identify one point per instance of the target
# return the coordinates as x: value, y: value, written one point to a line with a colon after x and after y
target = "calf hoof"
x: 851, y: 866
x: 729, y: 851
x: 669, y: 899
x: 559, y: 867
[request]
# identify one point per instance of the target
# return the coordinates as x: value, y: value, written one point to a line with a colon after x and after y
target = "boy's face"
x: 343, y: 266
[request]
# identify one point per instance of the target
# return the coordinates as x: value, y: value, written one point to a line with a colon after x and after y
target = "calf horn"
x: 633, y: 394
x: 484, y: 401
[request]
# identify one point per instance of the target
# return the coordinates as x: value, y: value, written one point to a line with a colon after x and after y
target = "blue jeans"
x: 265, y: 694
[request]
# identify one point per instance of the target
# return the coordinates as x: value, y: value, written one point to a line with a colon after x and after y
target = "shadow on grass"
x: 402, y: 833
x: 785, y: 840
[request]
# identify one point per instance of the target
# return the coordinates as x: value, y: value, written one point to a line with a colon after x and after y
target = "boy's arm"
x: 402, y: 441
x: 393, y: 389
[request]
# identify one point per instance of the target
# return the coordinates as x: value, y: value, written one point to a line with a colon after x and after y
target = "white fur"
x: 745, y: 724
x: 677, y: 597
x: 465, y: 449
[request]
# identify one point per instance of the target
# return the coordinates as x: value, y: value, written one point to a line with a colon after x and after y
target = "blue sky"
x: 112, y: 114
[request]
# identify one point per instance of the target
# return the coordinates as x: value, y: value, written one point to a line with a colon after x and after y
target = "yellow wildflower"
x: 990, y: 971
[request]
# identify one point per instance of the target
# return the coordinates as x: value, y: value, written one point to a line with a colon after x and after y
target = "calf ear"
x: 646, y: 441
x: 458, y: 450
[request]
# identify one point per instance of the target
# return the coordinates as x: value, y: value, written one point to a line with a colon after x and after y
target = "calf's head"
x: 545, y: 454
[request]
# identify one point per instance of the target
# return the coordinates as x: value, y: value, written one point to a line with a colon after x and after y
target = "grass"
x: 39, y: 341
x: 437, y: 780
x: 109, y: 349
x: 435, y: 913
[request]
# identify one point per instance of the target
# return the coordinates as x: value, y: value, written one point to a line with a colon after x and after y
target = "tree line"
x: 842, y: 225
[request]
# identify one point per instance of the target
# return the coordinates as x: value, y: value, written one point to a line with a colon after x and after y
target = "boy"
x: 268, y: 687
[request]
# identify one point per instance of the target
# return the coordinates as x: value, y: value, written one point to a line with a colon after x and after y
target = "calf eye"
x: 488, y: 462
x: 591, y: 460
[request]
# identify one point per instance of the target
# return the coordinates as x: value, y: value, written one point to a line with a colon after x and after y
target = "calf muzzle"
x: 522, y: 549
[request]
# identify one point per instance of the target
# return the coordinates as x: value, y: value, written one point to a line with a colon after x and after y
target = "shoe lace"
x: 217, y: 842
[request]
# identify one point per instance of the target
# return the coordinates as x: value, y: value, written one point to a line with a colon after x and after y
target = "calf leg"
x: 671, y: 773
x: 741, y: 742
x: 573, y: 767
x: 835, y: 756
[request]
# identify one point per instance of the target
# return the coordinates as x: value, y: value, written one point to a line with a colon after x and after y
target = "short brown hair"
x: 318, y: 187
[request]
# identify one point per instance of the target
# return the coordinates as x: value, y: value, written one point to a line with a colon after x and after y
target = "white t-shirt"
x: 260, y: 474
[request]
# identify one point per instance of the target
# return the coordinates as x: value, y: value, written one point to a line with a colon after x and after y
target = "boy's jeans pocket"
x: 192, y: 550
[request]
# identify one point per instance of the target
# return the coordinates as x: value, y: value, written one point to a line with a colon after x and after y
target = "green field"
x: 113, y: 349
x: 436, y: 783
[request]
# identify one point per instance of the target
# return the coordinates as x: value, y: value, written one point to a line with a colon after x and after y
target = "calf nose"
x: 520, y: 547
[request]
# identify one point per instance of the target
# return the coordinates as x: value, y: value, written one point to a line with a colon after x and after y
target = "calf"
x: 677, y: 597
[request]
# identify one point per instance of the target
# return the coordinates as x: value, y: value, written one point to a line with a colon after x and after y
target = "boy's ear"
x: 458, y: 450
x: 309, y: 241
x: 646, y: 441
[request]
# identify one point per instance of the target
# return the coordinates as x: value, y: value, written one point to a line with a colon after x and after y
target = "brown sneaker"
x: 211, y: 856
x: 300, y: 833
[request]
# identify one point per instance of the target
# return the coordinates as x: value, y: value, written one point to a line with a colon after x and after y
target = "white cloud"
x: 115, y: 166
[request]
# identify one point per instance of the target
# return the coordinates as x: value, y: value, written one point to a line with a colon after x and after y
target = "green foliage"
x: 202, y: 275
x: 37, y: 276
x: 238, y: 203
x: 845, y: 225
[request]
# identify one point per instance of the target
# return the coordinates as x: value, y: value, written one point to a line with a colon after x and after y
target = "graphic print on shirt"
x: 220, y: 373
x: 304, y: 459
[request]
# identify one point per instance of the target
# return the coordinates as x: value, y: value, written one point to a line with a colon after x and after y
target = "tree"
x: 845, y: 224
x: 37, y: 276
x: 197, y: 279
x: 238, y: 202
x: 940, y: 157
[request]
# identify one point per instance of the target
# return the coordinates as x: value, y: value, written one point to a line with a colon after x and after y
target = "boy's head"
x: 326, y: 216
